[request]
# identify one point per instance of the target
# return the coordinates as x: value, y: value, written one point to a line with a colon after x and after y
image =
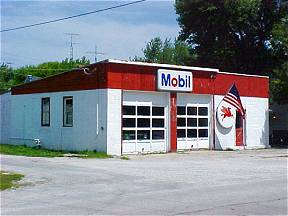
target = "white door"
x: 144, y: 123
x: 193, y: 120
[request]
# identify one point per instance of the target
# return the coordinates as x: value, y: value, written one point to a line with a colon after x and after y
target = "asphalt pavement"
x: 249, y: 182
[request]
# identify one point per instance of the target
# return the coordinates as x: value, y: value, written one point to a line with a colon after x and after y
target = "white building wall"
x: 114, y: 119
x: 256, y: 125
x: 89, y: 129
x: 257, y: 122
x: 5, y: 115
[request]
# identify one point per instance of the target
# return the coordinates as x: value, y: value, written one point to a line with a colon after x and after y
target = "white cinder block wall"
x: 257, y: 125
x: 89, y: 129
x: 114, y: 119
x: 257, y: 122
x: 5, y: 115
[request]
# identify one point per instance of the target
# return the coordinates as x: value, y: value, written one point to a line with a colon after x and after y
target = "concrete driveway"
x: 201, y: 182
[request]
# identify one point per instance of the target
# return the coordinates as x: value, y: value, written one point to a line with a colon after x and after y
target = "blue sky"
x: 120, y: 33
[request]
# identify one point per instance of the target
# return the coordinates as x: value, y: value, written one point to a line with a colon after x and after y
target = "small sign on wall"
x: 226, y: 114
x: 172, y: 80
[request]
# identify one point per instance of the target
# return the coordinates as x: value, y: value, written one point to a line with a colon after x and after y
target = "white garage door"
x: 193, y: 122
x: 144, y: 123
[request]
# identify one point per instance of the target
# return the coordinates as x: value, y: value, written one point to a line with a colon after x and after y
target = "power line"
x: 70, y: 17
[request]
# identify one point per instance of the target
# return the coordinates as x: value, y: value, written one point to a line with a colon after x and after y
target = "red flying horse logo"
x: 226, y: 112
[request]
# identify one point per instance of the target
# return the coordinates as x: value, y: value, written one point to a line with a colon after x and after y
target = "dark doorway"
x: 239, y: 129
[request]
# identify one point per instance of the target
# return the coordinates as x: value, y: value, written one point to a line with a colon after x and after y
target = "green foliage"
x: 247, y: 36
x: 279, y: 78
x: 6, y: 77
x: 158, y: 51
x: 279, y: 84
x: 36, y: 152
x: 7, y: 180
x: 231, y: 35
x: 10, y: 77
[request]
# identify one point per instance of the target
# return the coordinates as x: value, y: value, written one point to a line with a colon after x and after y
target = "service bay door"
x: 144, y: 122
x: 193, y: 121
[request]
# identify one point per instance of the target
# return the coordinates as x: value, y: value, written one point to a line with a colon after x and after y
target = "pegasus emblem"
x: 226, y: 112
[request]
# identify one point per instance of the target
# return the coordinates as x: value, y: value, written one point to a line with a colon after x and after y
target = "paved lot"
x: 203, y: 182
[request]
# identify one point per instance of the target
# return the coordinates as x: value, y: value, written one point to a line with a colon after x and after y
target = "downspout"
x: 213, y: 76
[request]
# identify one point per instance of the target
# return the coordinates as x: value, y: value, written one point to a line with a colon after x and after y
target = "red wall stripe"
x: 142, y: 78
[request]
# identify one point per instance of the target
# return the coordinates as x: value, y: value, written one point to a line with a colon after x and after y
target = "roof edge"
x: 160, y: 65
x: 241, y: 74
x: 215, y: 70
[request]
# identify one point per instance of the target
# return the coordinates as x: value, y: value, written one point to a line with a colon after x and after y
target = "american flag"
x: 233, y: 98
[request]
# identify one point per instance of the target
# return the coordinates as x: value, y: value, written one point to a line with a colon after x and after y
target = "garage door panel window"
x: 203, y: 133
x: 181, y: 122
x: 143, y: 135
x: 203, y: 122
x: 192, y: 122
x: 129, y: 134
x: 191, y: 110
x: 129, y: 110
x: 159, y: 123
x: 143, y: 110
x: 158, y: 111
x: 203, y: 111
x: 181, y: 110
x: 181, y: 133
x: 129, y: 122
x: 143, y: 122
x: 158, y: 134
x: 192, y: 133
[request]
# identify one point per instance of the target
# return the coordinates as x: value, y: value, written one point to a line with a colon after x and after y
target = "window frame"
x: 196, y: 116
x: 64, y: 111
x: 42, y: 112
x: 142, y: 117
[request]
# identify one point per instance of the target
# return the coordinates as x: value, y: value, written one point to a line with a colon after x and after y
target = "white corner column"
x: 114, y: 118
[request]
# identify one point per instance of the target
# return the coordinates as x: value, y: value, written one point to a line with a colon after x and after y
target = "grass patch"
x: 36, y: 152
x: 124, y: 158
x: 93, y: 154
x: 7, y: 180
x: 28, y: 151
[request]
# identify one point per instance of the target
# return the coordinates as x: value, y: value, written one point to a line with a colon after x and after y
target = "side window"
x: 45, y: 112
x: 68, y: 111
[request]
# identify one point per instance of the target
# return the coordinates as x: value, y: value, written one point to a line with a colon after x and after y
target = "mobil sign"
x: 172, y: 80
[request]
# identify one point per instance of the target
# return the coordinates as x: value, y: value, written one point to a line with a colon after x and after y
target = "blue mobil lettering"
x: 179, y: 81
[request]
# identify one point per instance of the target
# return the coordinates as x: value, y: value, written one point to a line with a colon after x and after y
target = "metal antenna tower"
x: 95, y: 52
x: 71, y: 43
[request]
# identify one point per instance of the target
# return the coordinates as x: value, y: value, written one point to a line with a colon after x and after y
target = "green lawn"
x: 7, y: 180
x: 34, y: 152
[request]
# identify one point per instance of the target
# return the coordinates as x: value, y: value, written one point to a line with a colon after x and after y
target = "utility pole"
x: 71, y: 43
x: 95, y: 52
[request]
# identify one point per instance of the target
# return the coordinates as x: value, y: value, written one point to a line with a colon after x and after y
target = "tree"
x: 10, y: 77
x: 279, y: 78
x: 6, y: 75
x: 231, y: 35
x: 158, y: 51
